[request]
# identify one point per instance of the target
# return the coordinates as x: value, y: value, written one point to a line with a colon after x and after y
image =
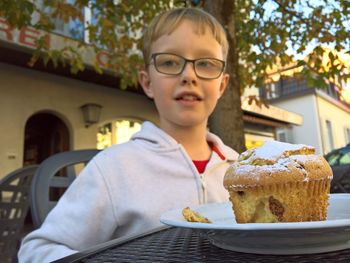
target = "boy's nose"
x: 188, y: 74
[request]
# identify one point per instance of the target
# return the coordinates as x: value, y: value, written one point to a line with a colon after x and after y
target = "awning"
x: 270, y: 114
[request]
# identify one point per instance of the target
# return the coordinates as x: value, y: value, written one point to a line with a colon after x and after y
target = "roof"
x: 272, y: 112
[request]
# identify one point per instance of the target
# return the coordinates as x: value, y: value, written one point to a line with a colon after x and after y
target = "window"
x: 282, y: 137
x: 271, y: 91
x: 345, y: 159
x: 284, y: 86
x: 339, y: 157
x: 117, y: 131
x: 329, y: 135
x: 333, y: 158
x: 73, y: 29
x: 331, y: 91
x: 289, y: 85
x: 347, y: 135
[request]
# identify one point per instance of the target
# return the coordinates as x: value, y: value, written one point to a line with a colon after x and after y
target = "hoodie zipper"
x: 203, y: 185
x: 200, y: 176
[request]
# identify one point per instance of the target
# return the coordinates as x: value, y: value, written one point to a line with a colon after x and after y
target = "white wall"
x: 24, y: 92
x: 339, y: 118
x: 315, y: 111
x: 309, y: 132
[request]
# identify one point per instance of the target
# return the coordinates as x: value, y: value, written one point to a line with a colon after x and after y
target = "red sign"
x: 28, y: 36
x: 25, y: 36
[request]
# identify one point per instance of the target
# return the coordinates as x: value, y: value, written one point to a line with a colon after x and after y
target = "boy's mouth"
x: 188, y: 97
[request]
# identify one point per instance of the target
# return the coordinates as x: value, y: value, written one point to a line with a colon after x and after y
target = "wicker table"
x: 185, y: 245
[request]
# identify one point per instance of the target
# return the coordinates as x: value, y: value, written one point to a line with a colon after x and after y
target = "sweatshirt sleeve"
x: 83, y: 217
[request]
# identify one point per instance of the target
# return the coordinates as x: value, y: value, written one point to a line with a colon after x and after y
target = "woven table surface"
x: 187, y: 245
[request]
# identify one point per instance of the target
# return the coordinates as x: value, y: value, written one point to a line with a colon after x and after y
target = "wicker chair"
x: 14, y: 206
x: 52, y: 178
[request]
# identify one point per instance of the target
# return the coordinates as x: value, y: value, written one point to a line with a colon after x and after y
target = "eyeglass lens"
x: 171, y: 64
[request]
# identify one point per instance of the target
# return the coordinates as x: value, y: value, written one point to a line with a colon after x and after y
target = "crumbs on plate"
x: 192, y: 216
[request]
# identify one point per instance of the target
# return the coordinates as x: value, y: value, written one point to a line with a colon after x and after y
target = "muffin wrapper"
x: 289, y: 202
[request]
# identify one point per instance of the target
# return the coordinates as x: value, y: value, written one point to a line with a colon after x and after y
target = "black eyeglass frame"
x: 154, y: 55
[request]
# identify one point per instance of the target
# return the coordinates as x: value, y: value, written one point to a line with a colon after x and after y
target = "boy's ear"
x: 145, y: 82
x: 223, y: 84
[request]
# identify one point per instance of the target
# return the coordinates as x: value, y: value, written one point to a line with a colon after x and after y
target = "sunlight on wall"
x: 125, y: 129
x: 115, y: 132
x: 256, y: 140
x: 104, y: 136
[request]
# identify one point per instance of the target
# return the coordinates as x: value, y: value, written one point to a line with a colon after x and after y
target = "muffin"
x: 279, y: 182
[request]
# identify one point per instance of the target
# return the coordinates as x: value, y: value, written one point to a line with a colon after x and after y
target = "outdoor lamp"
x: 91, y: 113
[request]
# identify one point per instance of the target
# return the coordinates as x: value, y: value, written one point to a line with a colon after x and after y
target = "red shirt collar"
x: 200, y: 165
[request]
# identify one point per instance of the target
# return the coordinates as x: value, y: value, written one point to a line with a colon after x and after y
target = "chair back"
x: 14, y: 206
x: 52, y: 178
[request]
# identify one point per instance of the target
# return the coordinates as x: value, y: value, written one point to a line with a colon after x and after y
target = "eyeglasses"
x: 204, y: 68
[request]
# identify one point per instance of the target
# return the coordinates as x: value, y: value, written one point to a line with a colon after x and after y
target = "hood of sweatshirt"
x: 158, y: 140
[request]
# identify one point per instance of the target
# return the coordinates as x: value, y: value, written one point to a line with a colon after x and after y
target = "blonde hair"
x: 167, y: 22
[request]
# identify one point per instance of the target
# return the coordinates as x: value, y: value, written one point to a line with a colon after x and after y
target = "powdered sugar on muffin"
x: 279, y: 182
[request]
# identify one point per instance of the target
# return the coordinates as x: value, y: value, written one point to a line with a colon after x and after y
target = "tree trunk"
x: 227, y: 119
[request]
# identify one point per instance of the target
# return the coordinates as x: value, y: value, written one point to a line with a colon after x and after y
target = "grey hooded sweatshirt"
x: 124, y: 190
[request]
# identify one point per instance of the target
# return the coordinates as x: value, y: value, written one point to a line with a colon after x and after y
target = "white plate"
x: 272, y: 238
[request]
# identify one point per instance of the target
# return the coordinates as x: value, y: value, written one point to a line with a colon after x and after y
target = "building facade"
x: 326, y: 113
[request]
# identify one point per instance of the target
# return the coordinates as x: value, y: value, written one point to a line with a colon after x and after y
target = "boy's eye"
x: 168, y: 63
x: 207, y: 63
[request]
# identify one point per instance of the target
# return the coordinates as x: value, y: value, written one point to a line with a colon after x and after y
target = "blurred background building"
x: 46, y: 109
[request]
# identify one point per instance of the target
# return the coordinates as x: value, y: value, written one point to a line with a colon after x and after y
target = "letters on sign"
x: 25, y: 36
x: 29, y: 37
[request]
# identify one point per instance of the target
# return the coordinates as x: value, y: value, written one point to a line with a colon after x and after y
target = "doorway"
x: 45, y: 135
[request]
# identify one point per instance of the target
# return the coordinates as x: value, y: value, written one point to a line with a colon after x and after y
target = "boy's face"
x: 184, y: 100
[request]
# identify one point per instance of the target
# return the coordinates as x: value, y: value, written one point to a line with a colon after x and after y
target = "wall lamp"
x: 91, y: 113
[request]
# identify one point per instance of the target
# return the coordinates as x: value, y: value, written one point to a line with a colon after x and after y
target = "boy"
x: 125, y: 189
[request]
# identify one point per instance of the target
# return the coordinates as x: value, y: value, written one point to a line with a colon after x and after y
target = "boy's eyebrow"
x: 200, y: 53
